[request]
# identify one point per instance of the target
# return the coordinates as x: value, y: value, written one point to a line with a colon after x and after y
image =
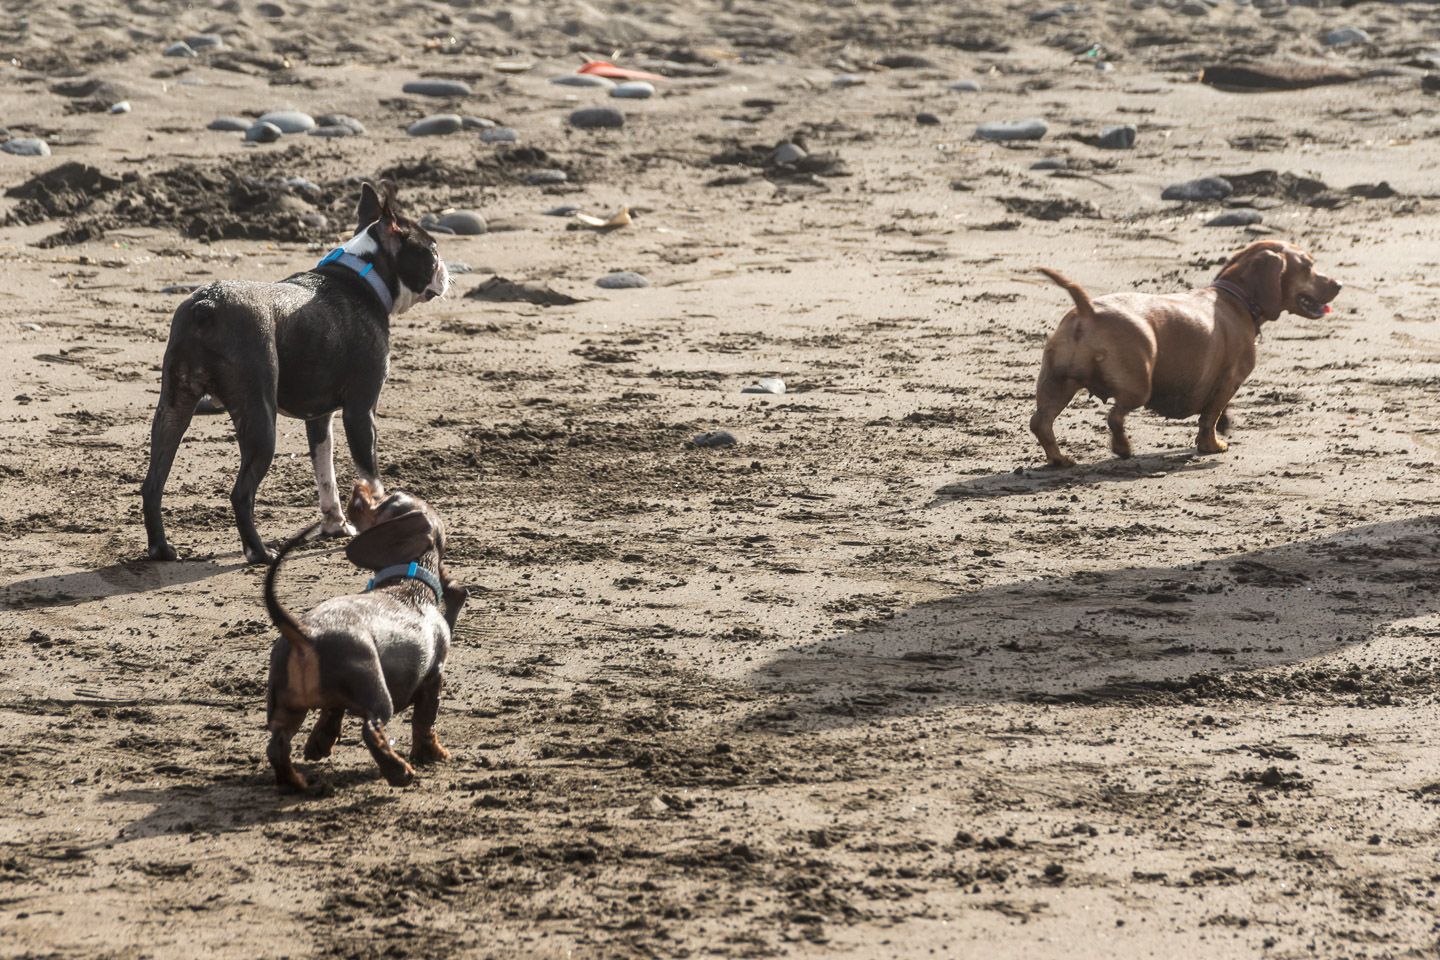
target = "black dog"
x: 371, y: 654
x: 307, y: 346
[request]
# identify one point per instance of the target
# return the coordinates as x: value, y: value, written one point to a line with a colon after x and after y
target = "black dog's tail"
x: 289, y: 628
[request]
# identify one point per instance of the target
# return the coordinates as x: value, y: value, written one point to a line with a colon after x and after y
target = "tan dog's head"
x: 1280, y: 277
x: 396, y: 529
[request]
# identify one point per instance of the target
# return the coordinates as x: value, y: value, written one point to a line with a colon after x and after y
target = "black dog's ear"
x: 395, y: 541
x: 388, y: 206
x: 370, y: 207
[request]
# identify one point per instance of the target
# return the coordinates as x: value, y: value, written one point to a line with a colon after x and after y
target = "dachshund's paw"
x: 400, y: 774
x: 428, y: 752
x: 1212, y: 445
x: 1061, y: 460
x: 291, y: 781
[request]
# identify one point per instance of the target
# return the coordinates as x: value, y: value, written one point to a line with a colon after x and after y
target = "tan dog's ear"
x: 1262, y: 274
x: 395, y: 541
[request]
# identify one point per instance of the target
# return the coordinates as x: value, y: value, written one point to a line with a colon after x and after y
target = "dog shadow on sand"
x: 1026, y: 480
x: 1112, y: 635
x: 115, y: 580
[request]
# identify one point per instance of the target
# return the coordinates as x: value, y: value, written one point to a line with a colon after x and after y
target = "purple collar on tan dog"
x: 1225, y: 286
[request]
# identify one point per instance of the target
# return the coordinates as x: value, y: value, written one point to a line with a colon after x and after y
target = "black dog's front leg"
x: 360, y: 435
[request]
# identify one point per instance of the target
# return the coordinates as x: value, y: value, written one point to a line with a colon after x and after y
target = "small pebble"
x: 594, y: 118
x: 713, y: 439
x: 499, y: 135
x: 476, y: 123
x: 1236, y: 218
x: 513, y: 66
x: 466, y: 223
x: 1205, y: 188
x: 436, y: 126
x: 634, y: 90
x: 438, y: 88
x: 1430, y: 83
x: 622, y: 280
x: 185, y: 288
x: 905, y: 61
x: 565, y: 211
x: 787, y: 153
x: 180, y: 49
x: 272, y: 11
x: 540, y: 178
x: 341, y: 120
x: 206, y: 41
x: 1117, y: 138
x: 927, y: 119
x: 1346, y: 36
x: 235, y: 124
x: 583, y: 80
x: 26, y: 147
x: 964, y: 86
x: 1194, y: 8
x: 262, y: 132
x: 122, y: 107
x: 289, y: 121
x: 1051, y: 163
x: 766, y: 385
x: 846, y: 80
x: 1011, y: 130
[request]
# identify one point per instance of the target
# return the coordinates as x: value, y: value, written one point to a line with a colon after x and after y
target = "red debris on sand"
x: 604, y: 68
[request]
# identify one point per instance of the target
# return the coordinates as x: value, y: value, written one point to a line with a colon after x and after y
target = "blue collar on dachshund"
x: 366, y: 271
x: 411, y: 571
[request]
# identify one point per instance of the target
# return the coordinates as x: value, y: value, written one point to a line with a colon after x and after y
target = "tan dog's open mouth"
x: 1308, y: 306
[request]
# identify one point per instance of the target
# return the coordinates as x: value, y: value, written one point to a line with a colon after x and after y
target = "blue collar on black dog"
x: 366, y: 270
x: 411, y: 571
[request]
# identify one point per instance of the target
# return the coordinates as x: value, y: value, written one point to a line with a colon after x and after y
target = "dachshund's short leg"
x: 424, y: 745
x: 284, y: 724
x: 322, y: 738
x: 1052, y: 395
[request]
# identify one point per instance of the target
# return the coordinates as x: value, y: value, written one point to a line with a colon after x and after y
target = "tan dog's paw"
x: 1212, y: 445
x: 1060, y: 460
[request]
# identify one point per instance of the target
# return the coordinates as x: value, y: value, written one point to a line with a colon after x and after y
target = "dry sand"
x: 871, y: 683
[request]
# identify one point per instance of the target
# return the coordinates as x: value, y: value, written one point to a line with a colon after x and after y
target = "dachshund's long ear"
x: 1261, y: 273
x: 455, y: 597
x: 369, y: 209
x: 400, y: 540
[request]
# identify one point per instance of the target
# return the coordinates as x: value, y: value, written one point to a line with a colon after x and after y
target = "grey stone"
x: 1346, y: 36
x: 466, y: 223
x: 565, y: 211
x: 263, y: 132
x: 583, y: 80
x: 1011, y: 130
x: 1205, y: 188
x: 1236, y: 218
x: 206, y: 41
x: 927, y: 119
x: 230, y: 124
x: 622, y: 280
x: 180, y: 49
x: 289, y: 121
x: 714, y: 439
x: 594, y: 118
x: 540, y: 178
x: 350, y: 124
x: 272, y: 11
x: 1117, y: 138
x: 1051, y: 163
x: 964, y: 86
x: 772, y: 385
x: 499, y: 135
x: 437, y: 126
x: 476, y: 123
x: 846, y: 80
x: 787, y: 153
x: 26, y: 147
x: 122, y: 107
x: 634, y: 90
x: 438, y: 88
x: 1194, y: 8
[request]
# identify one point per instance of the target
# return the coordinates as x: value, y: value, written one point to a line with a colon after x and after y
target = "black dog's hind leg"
x: 322, y: 458
x: 172, y: 419
x: 254, y: 420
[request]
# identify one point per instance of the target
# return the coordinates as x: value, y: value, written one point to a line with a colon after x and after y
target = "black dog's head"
x: 411, y: 254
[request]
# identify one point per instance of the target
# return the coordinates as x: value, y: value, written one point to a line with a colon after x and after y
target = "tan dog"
x: 1178, y: 354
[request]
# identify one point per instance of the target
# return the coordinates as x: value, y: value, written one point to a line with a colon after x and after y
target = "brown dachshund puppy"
x: 1177, y: 354
x: 370, y: 654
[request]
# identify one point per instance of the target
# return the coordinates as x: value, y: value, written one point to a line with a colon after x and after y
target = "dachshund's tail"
x: 284, y: 621
x: 1083, y: 306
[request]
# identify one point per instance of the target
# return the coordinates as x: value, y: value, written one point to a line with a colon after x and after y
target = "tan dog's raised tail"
x: 1176, y: 354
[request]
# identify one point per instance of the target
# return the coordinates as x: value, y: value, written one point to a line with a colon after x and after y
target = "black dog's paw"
x: 163, y: 552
